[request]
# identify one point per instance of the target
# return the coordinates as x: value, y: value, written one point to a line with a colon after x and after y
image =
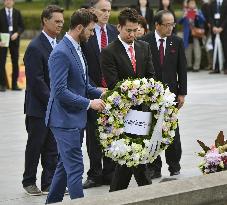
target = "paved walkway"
x: 204, y: 114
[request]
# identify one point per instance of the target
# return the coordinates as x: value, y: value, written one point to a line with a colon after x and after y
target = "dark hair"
x: 83, y: 17
x: 49, y: 10
x: 161, y: 7
x: 142, y: 21
x: 128, y: 14
x: 138, y: 4
x: 159, y: 16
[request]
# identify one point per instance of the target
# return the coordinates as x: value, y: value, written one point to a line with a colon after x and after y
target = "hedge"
x: 32, y: 19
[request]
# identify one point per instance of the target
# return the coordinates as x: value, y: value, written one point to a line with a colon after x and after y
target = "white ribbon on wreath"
x: 156, y: 138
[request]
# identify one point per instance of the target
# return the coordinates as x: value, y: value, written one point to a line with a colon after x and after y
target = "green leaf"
x: 220, y: 141
x: 204, y: 147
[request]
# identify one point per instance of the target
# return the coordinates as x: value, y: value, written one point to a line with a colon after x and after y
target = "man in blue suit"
x: 101, y: 167
x: 41, y: 142
x: 68, y: 104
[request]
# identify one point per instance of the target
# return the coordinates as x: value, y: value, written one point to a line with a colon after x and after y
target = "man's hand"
x: 2, y: 44
x: 180, y: 100
x: 103, y: 91
x: 14, y: 36
x: 97, y: 104
x: 217, y: 30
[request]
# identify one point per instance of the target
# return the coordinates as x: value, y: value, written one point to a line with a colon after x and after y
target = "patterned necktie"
x: 9, y: 19
x: 103, y: 38
x: 103, y: 45
x: 161, y: 51
x: 132, y: 57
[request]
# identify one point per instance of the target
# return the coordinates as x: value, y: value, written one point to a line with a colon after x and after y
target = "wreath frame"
x: 121, y: 147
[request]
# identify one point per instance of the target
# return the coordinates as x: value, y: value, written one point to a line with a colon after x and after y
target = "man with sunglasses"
x: 170, y: 68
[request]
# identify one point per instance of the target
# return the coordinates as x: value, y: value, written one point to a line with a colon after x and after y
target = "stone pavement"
x: 204, y: 114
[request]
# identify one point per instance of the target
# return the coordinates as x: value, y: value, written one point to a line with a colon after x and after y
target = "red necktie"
x: 103, y: 45
x: 133, y: 59
x: 103, y: 38
x: 161, y: 51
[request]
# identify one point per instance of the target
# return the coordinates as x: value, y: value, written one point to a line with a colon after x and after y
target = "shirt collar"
x: 76, y: 45
x: 7, y: 10
x: 98, y: 28
x: 157, y: 37
x: 125, y: 44
x: 50, y: 39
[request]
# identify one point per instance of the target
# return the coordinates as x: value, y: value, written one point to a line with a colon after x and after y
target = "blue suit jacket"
x: 67, y: 107
x: 37, y: 76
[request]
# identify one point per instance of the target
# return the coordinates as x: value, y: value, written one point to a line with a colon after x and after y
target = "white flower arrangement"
x: 125, y: 149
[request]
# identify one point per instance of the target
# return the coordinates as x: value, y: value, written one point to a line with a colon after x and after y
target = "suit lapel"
x: 45, y: 42
x: 123, y: 53
x: 138, y: 55
x: 76, y: 57
x: 167, y: 51
x: 154, y: 48
x: 95, y: 45
x: 110, y: 34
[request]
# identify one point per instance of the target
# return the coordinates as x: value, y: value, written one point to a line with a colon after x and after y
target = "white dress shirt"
x: 157, y: 37
x: 126, y: 46
x: 53, y: 41
x: 99, y: 33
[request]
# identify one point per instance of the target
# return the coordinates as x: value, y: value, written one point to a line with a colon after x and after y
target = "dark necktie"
x: 103, y: 45
x: 161, y: 51
x: 9, y: 18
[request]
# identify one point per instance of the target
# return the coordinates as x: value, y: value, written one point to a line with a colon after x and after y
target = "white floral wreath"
x: 128, y: 150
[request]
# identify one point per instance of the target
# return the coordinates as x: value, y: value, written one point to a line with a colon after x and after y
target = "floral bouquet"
x: 214, y: 157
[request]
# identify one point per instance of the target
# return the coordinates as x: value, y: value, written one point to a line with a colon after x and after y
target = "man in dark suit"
x: 40, y: 138
x: 170, y: 68
x: 104, y: 33
x: 126, y: 58
x: 68, y: 104
x: 218, y: 22
x: 10, y: 22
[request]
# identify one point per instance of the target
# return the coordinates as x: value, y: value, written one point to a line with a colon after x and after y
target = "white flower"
x: 136, y: 84
x: 154, y: 106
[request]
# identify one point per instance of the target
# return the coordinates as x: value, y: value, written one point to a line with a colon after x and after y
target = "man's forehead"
x: 167, y: 18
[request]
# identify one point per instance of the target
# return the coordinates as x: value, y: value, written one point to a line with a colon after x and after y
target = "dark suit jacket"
x: 37, y: 76
x: 18, y: 25
x: 92, y: 52
x: 116, y: 65
x: 149, y: 16
x: 223, y: 15
x: 173, y: 72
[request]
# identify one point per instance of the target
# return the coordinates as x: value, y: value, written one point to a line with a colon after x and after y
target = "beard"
x: 82, y: 37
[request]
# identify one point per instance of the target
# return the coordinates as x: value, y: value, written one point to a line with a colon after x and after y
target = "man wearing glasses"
x: 170, y: 68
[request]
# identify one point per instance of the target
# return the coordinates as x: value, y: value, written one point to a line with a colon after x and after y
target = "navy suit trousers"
x: 70, y: 166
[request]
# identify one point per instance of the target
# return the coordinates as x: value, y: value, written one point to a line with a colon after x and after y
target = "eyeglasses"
x: 167, y: 25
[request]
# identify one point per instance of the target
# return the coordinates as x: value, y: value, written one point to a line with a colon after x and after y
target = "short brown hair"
x: 128, y: 14
x: 83, y: 17
x: 49, y: 10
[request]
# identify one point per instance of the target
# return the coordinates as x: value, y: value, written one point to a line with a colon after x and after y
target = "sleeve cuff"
x: 88, y: 107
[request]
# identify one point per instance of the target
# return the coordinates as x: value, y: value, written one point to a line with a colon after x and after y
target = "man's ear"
x: 119, y: 27
x: 80, y: 27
